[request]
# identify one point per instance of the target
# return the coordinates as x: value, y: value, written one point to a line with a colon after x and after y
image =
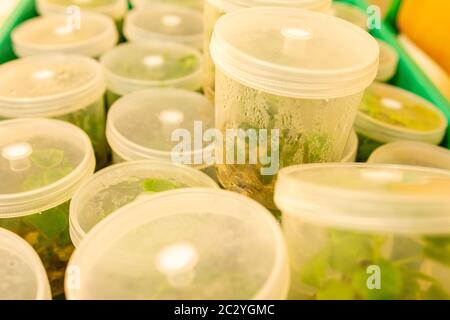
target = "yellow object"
x: 426, y: 23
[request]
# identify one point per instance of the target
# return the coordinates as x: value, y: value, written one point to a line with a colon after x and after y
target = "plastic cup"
x: 214, y: 9
x: 183, y: 244
x: 359, y: 231
x: 388, y: 62
x: 66, y: 87
x: 194, y: 4
x: 350, y: 13
x: 351, y: 149
x: 132, y: 67
x: 94, y: 35
x: 389, y: 114
x: 162, y: 22
x: 412, y: 153
x: 122, y: 184
x: 275, y: 82
x: 115, y: 9
x: 42, y: 163
x: 22, y: 274
x: 162, y: 124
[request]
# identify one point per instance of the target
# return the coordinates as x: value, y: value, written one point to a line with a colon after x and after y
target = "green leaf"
x: 438, y: 253
x: 158, y: 185
x: 50, y: 223
x: 336, y: 290
x: 47, y: 158
x: 314, y: 271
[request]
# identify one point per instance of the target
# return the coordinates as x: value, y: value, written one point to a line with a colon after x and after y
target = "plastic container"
x: 194, y: 4
x: 412, y: 153
x: 116, y: 9
x: 132, y: 67
x: 276, y: 79
x: 389, y: 114
x: 358, y: 231
x: 350, y: 13
x: 42, y: 163
x: 94, y: 35
x: 183, y: 244
x: 351, y: 149
x: 121, y: 184
x: 22, y: 274
x: 164, y: 124
x: 388, y: 62
x: 67, y: 87
x: 214, y: 9
x: 162, y: 22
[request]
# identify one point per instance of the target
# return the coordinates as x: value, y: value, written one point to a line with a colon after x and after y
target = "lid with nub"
x: 42, y: 162
x: 22, y: 275
x: 92, y: 35
x: 131, y: 67
x: 49, y: 85
x: 113, y: 8
x: 166, y: 124
x: 165, y: 22
x: 388, y: 113
x: 294, y: 53
x: 232, y: 5
x: 367, y: 197
x: 412, y: 153
x: 184, y: 244
x: 121, y: 184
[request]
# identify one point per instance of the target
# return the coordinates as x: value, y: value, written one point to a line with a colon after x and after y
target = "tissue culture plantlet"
x: 47, y: 231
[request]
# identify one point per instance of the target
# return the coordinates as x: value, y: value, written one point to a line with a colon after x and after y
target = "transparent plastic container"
x: 389, y: 114
x: 132, y: 67
x: 412, y: 153
x: 122, y: 184
x: 42, y: 163
x: 282, y: 79
x: 94, y: 35
x: 388, y: 62
x: 163, y: 22
x: 115, y: 9
x: 182, y: 244
x: 22, y: 274
x: 359, y: 231
x: 66, y: 87
x: 214, y: 9
x: 163, y: 124
x: 194, y: 4
x: 351, y: 149
x: 350, y: 13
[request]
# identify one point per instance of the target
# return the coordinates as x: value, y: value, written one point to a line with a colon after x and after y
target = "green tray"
x: 409, y: 75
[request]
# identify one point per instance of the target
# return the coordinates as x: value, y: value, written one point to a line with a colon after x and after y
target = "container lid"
x: 42, y: 162
x: 165, y: 22
x: 131, y: 67
x: 388, y: 61
x: 22, y: 274
x: 165, y: 124
x: 294, y: 53
x: 49, y: 85
x: 120, y: 184
x: 375, y: 197
x: 184, y: 244
x: 113, y: 8
x: 388, y: 113
x: 412, y: 153
x: 351, y: 148
x: 91, y: 36
x: 194, y: 4
x: 233, y: 5
x: 350, y: 13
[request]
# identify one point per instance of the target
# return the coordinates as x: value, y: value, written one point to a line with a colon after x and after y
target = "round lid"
x: 232, y: 5
x: 48, y: 85
x: 195, y: 4
x: 115, y: 186
x: 166, y: 124
x: 412, y: 153
x: 184, y: 244
x: 22, y: 274
x: 165, y: 22
x: 383, y: 198
x: 388, y: 113
x: 388, y: 62
x: 350, y: 13
x: 131, y: 67
x: 42, y: 162
x: 113, y: 8
x: 295, y: 53
x: 92, y: 35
